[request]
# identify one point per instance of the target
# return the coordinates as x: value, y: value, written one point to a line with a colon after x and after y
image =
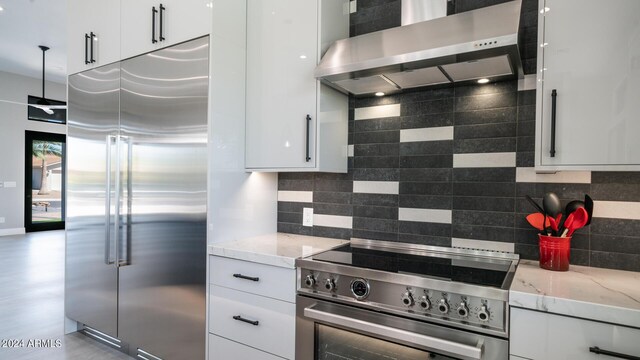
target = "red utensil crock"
x: 554, y: 252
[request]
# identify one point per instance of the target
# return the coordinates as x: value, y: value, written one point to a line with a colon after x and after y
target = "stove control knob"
x: 443, y: 306
x: 483, y: 314
x: 330, y: 284
x: 407, y: 299
x: 425, y: 304
x: 463, y: 310
x: 360, y: 288
x: 310, y: 281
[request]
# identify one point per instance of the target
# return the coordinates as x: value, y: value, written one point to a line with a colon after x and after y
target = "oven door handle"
x: 443, y: 346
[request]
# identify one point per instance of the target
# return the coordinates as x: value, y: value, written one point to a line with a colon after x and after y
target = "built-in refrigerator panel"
x: 91, y: 292
x: 163, y: 135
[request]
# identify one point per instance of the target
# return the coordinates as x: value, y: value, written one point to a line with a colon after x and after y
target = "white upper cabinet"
x: 93, y: 34
x: 293, y: 123
x: 105, y: 31
x: 148, y: 25
x: 589, y: 57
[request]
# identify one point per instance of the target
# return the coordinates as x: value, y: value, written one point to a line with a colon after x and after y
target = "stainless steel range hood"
x: 477, y: 44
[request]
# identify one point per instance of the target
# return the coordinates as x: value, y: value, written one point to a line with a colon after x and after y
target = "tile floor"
x: 32, y: 301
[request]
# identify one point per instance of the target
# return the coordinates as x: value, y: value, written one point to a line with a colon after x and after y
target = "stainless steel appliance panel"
x: 91, y: 275
x: 327, y: 330
x: 164, y: 164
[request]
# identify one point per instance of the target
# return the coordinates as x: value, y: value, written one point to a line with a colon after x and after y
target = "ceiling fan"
x: 42, y: 103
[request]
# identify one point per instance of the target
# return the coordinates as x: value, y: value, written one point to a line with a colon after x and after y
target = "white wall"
x: 241, y: 204
x: 13, y: 123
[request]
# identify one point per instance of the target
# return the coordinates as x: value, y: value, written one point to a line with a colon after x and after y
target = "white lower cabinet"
x: 543, y: 336
x: 259, y: 279
x: 231, y: 350
x: 254, y: 320
x: 252, y: 310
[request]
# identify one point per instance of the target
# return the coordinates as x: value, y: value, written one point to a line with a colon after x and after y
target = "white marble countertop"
x: 278, y: 249
x: 591, y: 293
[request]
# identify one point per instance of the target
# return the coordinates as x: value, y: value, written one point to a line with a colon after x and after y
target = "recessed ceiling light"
x: 379, y: 93
x: 303, y: 56
x: 1, y: 8
x: 483, y: 81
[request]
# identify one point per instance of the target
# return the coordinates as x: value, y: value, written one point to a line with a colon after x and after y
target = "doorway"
x: 44, y: 181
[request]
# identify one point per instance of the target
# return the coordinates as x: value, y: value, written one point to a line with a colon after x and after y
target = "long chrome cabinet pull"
x: 252, y: 322
x: 308, y: 157
x: 597, y: 350
x: 240, y: 276
x: 153, y: 24
x: 124, y: 250
x: 107, y: 236
x: 162, y: 9
x: 554, y: 95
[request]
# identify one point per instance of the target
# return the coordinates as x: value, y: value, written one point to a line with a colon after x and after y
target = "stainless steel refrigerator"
x: 136, y: 205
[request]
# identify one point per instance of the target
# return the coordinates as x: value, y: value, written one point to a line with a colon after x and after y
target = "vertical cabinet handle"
x: 308, y: 157
x: 125, y: 188
x: 153, y: 24
x: 107, y: 242
x: 554, y: 95
x: 92, y: 39
x: 86, y: 49
x: 597, y: 350
x: 162, y: 9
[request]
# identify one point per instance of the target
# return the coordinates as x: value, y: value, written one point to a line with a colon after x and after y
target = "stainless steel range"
x: 385, y: 300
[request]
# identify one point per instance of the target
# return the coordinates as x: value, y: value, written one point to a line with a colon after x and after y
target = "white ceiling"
x: 25, y: 24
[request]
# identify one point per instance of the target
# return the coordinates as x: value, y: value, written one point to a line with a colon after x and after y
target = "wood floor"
x: 32, y: 301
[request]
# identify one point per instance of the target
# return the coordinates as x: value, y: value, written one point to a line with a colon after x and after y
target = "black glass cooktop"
x: 442, y: 266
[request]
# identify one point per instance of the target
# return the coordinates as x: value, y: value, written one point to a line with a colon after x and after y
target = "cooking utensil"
x: 588, y: 205
x: 551, y: 206
x: 580, y: 219
x: 567, y: 224
x: 573, y: 206
x: 536, y: 220
x: 554, y: 223
x: 534, y: 203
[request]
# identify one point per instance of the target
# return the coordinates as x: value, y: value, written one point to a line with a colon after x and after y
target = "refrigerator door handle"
x: 111, y: 139
x: 124, y: 248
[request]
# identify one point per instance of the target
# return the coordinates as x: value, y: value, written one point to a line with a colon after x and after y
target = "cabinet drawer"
x: 274, y: 328
x: 538, y: 335
x: 223, y: 349
x: 272, y: 281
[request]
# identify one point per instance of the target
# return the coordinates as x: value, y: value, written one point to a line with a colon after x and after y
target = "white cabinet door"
x: 542, y: 336
x: 590, y: 55
x: 100, y: 18
x: 282, y: 52
x: 148, y: 25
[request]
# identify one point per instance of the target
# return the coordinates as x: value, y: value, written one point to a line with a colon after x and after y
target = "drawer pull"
x: 597, y: 350
x: 240, y: 276
x: 252, y: 322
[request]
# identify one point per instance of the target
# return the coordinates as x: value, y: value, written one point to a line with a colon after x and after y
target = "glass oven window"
x: 337, y: 344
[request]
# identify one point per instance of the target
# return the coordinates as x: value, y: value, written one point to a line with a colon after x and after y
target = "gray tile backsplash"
x: 448, y: 163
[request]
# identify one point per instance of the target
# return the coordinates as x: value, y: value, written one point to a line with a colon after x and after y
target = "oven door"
x: 327, y: 331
